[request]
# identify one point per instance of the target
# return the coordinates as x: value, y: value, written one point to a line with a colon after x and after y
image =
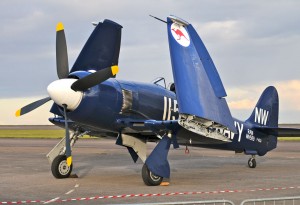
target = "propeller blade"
x: 62, y: 65
x: 68, y: 145
x: 95, y: 78
x: 32, y: 106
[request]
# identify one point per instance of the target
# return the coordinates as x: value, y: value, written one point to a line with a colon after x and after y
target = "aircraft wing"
x: 199, y: 89
x: 101, y: 49
x: 148, y: 126
x: 74, y: 126
x: 158, y: 126
x: 280, y: 131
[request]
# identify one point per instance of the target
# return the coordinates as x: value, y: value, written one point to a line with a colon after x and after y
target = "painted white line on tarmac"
x: 69, y: 192
x: 51, y: 201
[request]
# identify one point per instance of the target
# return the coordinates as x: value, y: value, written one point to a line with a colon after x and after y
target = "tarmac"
x: 107, y: 175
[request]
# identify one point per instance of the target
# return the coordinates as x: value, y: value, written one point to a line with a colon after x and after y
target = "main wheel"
x: 149, y: 178
x: 252, y: 163
x: 60, y: 168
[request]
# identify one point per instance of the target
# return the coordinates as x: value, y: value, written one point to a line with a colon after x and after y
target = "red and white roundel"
x: 180, y: 34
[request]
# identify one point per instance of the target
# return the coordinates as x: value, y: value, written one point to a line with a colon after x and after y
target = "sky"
x: 253, y: 44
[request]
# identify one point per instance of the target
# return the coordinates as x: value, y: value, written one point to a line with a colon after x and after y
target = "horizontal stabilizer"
x: 280, y: 131
x: 199, y: 89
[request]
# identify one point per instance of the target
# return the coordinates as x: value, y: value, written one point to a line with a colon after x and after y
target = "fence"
x: 266, y: 201
x: 273, y: 201
x: 214, y: 202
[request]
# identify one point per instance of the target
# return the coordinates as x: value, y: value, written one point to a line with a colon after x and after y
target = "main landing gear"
x: 156, y: 166
x: 252, y: 162
x: 149, y: 178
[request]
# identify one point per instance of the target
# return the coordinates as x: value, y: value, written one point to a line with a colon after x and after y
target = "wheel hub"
x: 63, y: 168
x: 154, y: 177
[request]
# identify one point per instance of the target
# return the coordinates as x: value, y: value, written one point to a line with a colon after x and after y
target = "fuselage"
x: 103, y: 107
x: 113, y: 99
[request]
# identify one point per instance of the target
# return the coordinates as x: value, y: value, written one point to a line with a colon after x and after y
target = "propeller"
x: 101, y: 49
x: 100, y: 34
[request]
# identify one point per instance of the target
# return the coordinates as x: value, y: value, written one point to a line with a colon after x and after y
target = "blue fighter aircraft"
x: 192, y: 112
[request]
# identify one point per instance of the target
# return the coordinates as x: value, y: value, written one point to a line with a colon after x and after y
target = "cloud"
x: 289, y: 95
x: 221, y: 30
x: 245, y: 97
x: 242, y: 104
x: 250, y: 42
x: 242, y: 100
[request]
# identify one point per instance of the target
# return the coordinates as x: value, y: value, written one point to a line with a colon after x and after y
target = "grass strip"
x: 289, y: 138
x: 34, y: 134
x: 56, y: 134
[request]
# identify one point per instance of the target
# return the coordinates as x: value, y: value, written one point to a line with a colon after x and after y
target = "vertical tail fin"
x: 265, y: 112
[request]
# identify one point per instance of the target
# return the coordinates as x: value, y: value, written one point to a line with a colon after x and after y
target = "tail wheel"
x: 149, y: 178
x: 60, y: 168
x: 252, y: 163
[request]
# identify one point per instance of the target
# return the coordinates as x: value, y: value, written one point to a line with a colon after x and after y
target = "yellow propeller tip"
x: 114, y: 69
x: 18, y: 113
x: 69, y: 161
x: 59, y: 26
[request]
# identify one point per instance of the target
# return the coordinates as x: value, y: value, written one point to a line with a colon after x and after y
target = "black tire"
x: 59, y: 167
x: 149, y: 178
x: 252, y: 163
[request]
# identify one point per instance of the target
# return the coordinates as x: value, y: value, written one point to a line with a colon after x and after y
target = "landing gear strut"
x: 149, y: 178
x: 252, y: 162
x: 57, y: 157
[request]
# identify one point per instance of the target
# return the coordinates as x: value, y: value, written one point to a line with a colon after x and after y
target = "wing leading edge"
x: 199, y: 89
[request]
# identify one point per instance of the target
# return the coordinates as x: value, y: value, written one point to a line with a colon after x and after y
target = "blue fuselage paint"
x: 247, y: 140
x: 103, y: 105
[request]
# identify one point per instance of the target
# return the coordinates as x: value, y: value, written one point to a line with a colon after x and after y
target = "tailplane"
x: 265, y: 112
